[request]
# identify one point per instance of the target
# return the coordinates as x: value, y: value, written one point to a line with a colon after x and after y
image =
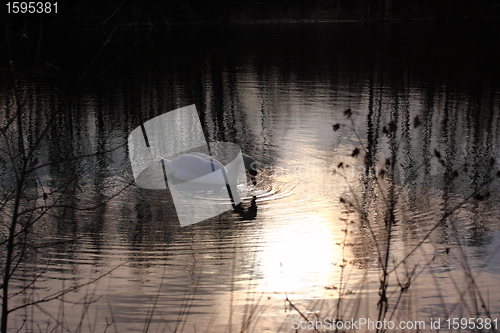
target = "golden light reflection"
x: 299, y: 255
x: 303, y: 234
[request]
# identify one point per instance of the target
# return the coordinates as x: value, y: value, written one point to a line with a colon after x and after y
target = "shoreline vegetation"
x: 96, y: 14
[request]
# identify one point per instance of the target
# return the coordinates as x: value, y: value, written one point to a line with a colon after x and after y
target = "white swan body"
x: 196, y: 167
x: 201, y: 168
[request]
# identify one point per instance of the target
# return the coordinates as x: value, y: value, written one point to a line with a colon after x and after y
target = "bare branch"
x: 64, y: 292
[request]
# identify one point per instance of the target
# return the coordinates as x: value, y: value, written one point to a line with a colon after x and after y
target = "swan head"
x: 251, y: 167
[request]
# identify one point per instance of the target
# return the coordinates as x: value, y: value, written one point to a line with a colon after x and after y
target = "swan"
x: 198, y: 167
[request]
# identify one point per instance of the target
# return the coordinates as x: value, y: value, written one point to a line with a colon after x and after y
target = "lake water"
x: 413, y: 164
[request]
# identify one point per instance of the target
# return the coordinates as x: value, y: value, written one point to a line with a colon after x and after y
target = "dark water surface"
x: 277, y: 91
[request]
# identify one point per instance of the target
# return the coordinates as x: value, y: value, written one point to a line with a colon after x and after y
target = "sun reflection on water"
x: 296, y: 256
x: 302, y: 239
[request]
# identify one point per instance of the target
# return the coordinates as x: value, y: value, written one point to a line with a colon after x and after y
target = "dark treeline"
x: 93, y: 13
